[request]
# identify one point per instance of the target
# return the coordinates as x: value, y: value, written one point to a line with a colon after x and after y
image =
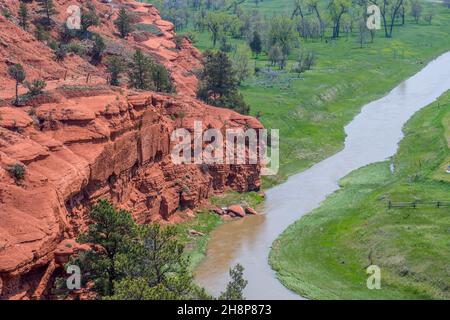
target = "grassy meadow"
x: 311, y: 110
x: 325, y: 254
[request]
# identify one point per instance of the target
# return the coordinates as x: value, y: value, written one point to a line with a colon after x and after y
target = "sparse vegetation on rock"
x: 97, y: 49
x: 17, y: 171
x: 47, y: 9
x: 23, y: 15
x: 17, y: 72
x: 35, y: 87
x: 115, y: 66
x: 144, y: 74
x: 60, y: 52
x: 123, y: 23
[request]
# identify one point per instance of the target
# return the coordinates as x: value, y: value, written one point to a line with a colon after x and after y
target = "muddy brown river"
x: 372, y: 136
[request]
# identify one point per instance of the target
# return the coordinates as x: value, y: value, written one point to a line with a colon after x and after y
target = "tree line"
x: 138, y: 262
x: 142, y: 71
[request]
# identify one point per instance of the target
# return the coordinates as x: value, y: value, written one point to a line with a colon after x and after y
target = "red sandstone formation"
x: 237, y: 210
x: 81, y: 142
x: 251, y: 211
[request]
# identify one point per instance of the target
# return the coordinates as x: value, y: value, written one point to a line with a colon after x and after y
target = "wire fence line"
x: 419, y: 204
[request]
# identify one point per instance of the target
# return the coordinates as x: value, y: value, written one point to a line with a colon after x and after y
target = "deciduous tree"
x: 416, y: 10
x: 389, y: 10
x: 337, y: 8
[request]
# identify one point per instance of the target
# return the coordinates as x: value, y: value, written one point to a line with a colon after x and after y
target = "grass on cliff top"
x: 324, y: 255
x: 311, y: 111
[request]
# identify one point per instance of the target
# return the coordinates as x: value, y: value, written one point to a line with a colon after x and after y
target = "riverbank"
x: 324, y: 255
x: 194, y: 233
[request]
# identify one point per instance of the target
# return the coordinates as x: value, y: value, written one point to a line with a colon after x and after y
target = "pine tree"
x: 134, y: 262
x: 23, y: 15
x: 123, y: 23
x: 115, y: 66
x: 112, y: 232
x: 88, y: 18
x: 40, y: 33
x: 140, y: 73
x: 217, y: 77
x: 218, y: 83
x: 47, y: 8
x: 256, y: 44
x: 97, y: 49
x: 236, y: 286
x: 17, y: 72
x: 161, y: 79
x: 131, y: 262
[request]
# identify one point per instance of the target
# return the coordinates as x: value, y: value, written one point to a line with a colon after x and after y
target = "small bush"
x: 52, y: 44
x: 41, y: 33
x: 75, y: 48
x: 149, y: 28
x: 60, y: 52
x: 65, y: 34
x: 17, y: 171
x: 190, y: 36
x: 179, y: 42
x: 6, y: 13
x: 35, y: 87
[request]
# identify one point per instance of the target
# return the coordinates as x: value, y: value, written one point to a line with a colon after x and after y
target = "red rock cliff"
x: 81, y: 142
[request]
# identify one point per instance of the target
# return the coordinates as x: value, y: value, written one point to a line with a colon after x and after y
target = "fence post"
x: 438, y: 204
x: 390, y: 204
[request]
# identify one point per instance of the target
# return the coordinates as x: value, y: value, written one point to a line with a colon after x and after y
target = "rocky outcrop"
x: 83, y: 149
x: 236, y: 210
x: 79, y: 143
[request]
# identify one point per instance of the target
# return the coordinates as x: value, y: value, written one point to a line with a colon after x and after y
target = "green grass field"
x: 311, y: 111
x: 324, y: 255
